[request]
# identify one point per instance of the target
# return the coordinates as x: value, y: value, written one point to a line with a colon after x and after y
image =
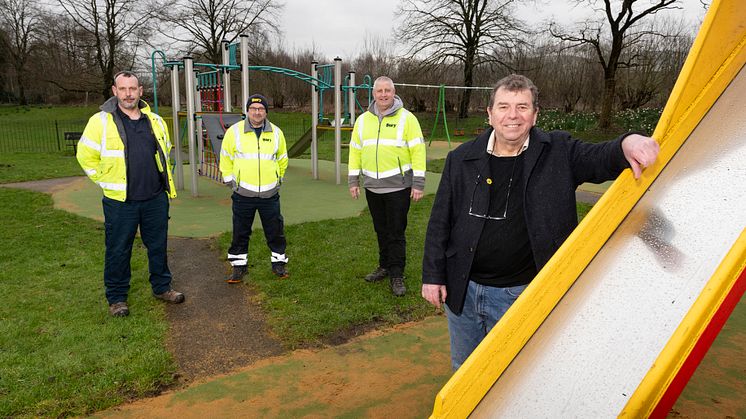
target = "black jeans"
x: 121, y: 220
x: 389, y: 212
x: 244, y: 210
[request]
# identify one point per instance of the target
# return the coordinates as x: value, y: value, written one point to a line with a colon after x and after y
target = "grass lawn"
x: 326, y: 293
x: 33, y: 114
x: 61, y: 353
x: 21, y: 167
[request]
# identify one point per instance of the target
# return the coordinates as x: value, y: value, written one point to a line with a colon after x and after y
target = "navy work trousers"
x: 389, y: 213
x: 121, y: 221
x: 244, y: 210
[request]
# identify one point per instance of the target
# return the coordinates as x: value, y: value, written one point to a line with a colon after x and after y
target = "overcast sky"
x: 341, y: 27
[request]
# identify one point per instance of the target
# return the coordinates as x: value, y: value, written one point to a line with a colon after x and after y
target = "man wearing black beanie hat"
x: 253, y: 160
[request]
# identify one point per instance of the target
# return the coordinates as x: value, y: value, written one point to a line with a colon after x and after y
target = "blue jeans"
x: 483, y: 307
x: 121, y: 220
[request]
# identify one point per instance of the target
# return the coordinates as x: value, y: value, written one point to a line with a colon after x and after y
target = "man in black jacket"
x: 505, y: 204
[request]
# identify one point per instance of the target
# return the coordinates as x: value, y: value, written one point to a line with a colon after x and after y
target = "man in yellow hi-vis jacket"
x: 125, y: 150
x: 387, y: 150
x: 253, y: 159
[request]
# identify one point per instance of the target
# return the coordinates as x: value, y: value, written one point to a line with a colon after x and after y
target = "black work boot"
x: 397, y: 286
x: 377, y: 275
x: 237, y: 275
x: 280, y: 270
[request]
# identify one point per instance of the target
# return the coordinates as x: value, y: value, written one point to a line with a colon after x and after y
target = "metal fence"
x: 39, y: 136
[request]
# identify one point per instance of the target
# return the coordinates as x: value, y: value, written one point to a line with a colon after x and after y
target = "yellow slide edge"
x: 461, y: 394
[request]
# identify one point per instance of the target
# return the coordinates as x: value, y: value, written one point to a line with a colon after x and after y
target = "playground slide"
x: 305, y: 140
x: 216, y: 124
x: 216, y: 130
x: 301, y: 145
x: 617, y: 321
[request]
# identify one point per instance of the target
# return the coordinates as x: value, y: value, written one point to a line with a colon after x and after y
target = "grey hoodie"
x: 398, y: 104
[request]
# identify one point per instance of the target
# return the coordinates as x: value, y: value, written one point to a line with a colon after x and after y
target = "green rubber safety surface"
x: 302, y: 199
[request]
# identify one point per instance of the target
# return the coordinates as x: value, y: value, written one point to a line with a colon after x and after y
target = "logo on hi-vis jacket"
x: 266, y: 139
x: 390, y: 125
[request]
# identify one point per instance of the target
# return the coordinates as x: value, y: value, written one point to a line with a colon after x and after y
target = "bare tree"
x: 21, y: 20
x: 201, y: 25
x: 116, y: 28
x: 375, y: 57
x: 611, y: 38
x: 3, y: 59
x: 460, y: 32
x: 658, y: 62
x: 564, y: 76
x: 67, y: 61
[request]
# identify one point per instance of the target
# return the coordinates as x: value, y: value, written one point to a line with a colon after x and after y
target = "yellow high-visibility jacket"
x: 389, y: 152
x: 102, y: 152
x: 257, y: 165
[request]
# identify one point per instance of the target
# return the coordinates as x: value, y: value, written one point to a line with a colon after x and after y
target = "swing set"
x: 441, y: 106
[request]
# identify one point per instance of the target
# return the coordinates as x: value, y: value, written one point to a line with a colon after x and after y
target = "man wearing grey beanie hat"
x: 253, y: 160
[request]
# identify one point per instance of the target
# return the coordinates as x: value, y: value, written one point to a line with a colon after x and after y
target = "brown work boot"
x: 171, y: 296
x: 237, y: 275
x: 378, y: 274
x: 397, y: 286
x: 119, y: 309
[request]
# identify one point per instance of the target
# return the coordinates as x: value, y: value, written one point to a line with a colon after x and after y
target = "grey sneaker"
x: 397, y: 286
x: 377, y: 275
x: 119, y: 309
x: 171, y: 296
x: 237, y: 275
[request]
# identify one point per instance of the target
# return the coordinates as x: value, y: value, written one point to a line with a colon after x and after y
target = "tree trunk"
x: 108, y: 81
x: 21, y: 86
x: 607, y: 102
x: 22, y: 96
x: 463, y: 109
x: 106, y: 91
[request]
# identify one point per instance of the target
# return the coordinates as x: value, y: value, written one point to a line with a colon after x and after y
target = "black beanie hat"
x: 257, y: 99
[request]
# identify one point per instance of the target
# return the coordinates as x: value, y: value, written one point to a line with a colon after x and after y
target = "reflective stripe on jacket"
x: 257, y: 165
x: 102, y: 151
x: 389, y: 153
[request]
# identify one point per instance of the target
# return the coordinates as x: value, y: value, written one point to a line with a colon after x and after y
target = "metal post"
x: 227, y: 105
x: 314, y: 122
x: 198, y: 124
x: 190, y: 90
x: 154, y: 73
x: 57, y: 131
x: 351, y: 98
x: 338, y: 119
x: 175, y: 108
x: 244, y: 74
